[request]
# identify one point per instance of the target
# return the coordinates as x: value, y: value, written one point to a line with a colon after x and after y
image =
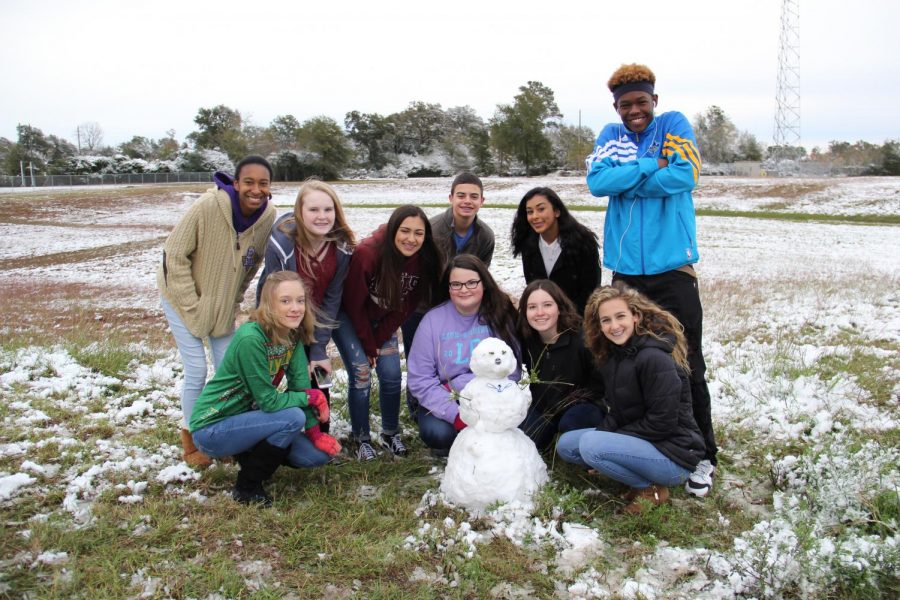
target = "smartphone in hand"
x: 323, y: 378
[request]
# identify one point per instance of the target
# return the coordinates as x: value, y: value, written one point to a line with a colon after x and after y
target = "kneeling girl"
x: 438, y: 363
x: 648, y: 440
x: 258, y: 407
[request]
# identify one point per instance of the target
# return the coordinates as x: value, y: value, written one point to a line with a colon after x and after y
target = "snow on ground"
x: 780, y: 299
x: 18, y: 241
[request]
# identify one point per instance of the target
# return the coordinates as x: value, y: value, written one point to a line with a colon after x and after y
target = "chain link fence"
x: 103, y: 179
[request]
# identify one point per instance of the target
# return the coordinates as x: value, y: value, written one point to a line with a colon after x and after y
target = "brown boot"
x: 630, y: 494
x: 654, y: 495
x: 192, y: 455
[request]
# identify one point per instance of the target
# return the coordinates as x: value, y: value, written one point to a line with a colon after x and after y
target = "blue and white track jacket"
x: 650, y: 226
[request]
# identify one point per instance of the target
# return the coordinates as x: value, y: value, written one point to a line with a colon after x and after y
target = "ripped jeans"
x: 387, y: 367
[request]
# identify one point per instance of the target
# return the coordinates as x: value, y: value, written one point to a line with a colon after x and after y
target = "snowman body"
x: 492, y: 460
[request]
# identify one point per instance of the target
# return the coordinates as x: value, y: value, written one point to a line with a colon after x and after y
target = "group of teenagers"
x: 616, y: 372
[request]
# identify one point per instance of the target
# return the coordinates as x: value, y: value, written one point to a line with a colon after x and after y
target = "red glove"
x: 458, y: 424
x: 323, y: 441
x: 319, y: 403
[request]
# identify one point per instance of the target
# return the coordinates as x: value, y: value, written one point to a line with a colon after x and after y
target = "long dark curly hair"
x: 572, y: 234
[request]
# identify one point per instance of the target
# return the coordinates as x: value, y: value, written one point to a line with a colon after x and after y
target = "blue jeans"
x: 239, y: 433
x: 433, y: 431
x: 387, y: 367
x: 628, y: 459
x: 193, y: 358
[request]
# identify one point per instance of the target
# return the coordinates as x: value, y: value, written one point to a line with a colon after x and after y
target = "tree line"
x: 526, y: 136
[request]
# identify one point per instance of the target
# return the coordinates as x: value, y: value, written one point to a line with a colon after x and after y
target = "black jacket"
x: 576, y: 272
x: 569, y: 364
x: 649, y: 396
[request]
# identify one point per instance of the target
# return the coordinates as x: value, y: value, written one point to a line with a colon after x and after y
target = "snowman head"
x: 492, y: 359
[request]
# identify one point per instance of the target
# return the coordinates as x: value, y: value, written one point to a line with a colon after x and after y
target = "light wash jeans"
x: 239, y: 433
x: 193, y: 358
x: 628, y: 459
x: 359, y: 373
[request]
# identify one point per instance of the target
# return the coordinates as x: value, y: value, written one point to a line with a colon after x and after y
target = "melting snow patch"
x: 180, y: 472
x: 10, y: 484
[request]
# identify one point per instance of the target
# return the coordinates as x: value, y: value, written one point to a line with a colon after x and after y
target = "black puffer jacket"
x: 567, y: 372
x: 649, y: 396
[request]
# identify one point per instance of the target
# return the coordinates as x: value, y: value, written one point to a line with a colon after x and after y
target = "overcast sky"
x: 143, y: 68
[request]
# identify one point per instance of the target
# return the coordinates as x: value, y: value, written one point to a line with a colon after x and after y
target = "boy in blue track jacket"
x: 648, y: 165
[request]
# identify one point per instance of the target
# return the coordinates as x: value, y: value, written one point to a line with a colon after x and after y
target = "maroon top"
x: 373, y: 323
x: 323, y: 268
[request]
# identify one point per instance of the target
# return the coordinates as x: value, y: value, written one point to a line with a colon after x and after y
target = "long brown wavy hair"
x: 652, y: 320
x: 265, y: 312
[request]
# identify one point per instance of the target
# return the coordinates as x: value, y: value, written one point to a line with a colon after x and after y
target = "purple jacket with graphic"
x: 440, y: 356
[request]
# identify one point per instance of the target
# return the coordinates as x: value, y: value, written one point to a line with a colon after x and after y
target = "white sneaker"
x: 700, y: 481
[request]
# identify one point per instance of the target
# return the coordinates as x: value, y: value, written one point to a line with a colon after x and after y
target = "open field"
x: 802, y: 338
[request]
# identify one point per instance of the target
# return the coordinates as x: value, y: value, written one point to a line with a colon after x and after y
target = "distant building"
x: 748, y: 168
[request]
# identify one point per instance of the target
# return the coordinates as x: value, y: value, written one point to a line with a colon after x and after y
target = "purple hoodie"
x: 241, y: 223
x: 440, y: 356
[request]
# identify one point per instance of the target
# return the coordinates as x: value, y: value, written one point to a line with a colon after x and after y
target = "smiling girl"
x: 259, y: 407
x: 208, y: 261
x: 439, y: 361
x: 648, y: 440
x: 555, y: 246
x: 568, y: 390
x: 391, y: 272
x: 315, y: 241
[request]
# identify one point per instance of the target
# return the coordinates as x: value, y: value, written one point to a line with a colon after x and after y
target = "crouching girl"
x: 258, y: 407
x: 438, y: 364
x: 648, y: 440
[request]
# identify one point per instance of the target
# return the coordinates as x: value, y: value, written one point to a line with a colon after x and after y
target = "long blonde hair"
x: 265, y: 312
x: 652, y: 320
x: 340, y: 231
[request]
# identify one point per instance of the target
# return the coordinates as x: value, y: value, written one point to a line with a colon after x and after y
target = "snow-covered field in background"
x: 845, y: 196
x: 779, y: 297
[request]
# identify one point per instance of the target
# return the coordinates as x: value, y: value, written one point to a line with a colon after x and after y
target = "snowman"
x: 492, y: 460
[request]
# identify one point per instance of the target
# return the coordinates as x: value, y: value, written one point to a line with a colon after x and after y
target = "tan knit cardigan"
x: 207, y: 266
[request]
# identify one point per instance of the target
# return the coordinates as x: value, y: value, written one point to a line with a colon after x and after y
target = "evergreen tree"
x: 519, y: 129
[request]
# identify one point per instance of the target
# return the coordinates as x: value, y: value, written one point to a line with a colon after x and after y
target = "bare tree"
x: 89, y: 135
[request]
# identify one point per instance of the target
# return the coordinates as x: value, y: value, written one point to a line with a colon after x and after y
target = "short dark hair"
x: 466, y: 177
x: 253, y: 159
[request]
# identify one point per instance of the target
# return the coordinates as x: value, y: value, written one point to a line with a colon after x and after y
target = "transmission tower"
x: 787, y: 95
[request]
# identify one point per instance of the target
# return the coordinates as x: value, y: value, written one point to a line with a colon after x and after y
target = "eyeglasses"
x: 470, y: 284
